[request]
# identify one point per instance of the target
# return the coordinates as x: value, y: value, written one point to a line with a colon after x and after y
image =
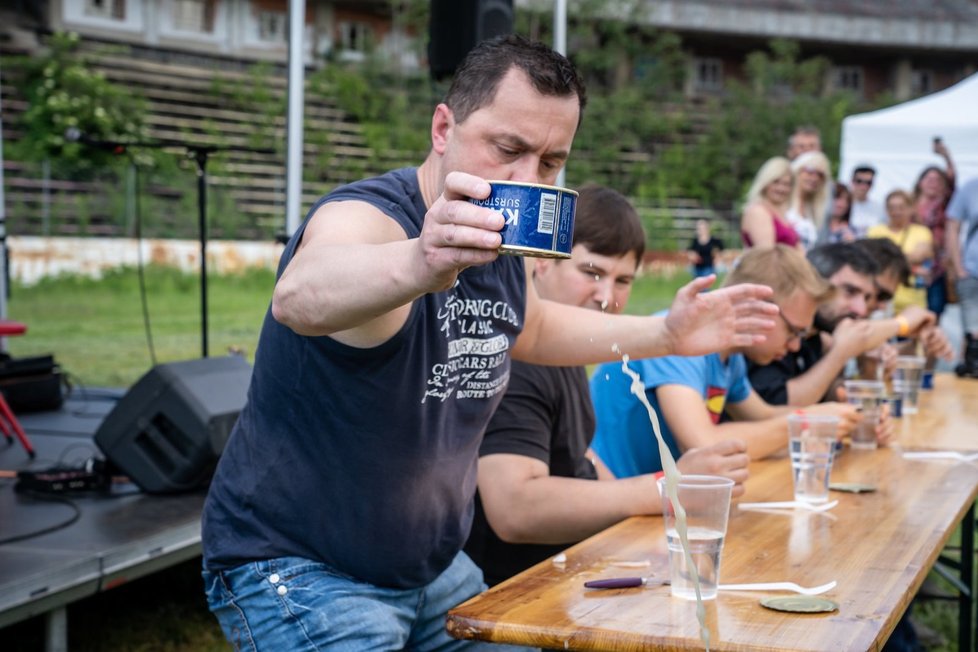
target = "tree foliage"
x: 65, y: 92
x: 752, y: 121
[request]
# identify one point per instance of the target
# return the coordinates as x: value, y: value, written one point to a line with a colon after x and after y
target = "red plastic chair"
x: 9, y: 424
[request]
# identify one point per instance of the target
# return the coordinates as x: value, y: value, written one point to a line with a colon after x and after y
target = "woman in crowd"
x: 838, y: 226
x: 809, y: 197
x: 932, y: 193
x: 916, y: 243
x: 763, y: 223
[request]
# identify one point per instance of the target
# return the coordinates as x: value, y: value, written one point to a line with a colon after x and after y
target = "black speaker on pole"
x: 457, y: 25
x: 170, y: 428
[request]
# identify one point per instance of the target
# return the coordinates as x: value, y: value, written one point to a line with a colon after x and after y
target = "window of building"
x: 848, y: 78
x: 921, y: 82
x: 273, y: 26
x: 112, y: 9
x: 708, y: 74
x: 193, y: 15
x: 355, y: 36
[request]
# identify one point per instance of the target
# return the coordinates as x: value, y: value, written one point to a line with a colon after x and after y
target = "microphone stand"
x: 199, y: 153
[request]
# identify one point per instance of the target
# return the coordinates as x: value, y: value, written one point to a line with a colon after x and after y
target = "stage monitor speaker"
x: 457, y: 25
x: 169, y: 429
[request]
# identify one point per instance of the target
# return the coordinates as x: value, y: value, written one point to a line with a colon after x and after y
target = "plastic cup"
x: 811, y: 442
x: 706, y: 499
x: 868, y: 365
x: 868, y: 396
x: 907, y: 380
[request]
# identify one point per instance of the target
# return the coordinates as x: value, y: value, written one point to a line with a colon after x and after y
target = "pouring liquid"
x: 672, y: 477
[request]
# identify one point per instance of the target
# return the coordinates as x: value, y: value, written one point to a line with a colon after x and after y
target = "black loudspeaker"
x: 170, y: 428
x: 457, y: 25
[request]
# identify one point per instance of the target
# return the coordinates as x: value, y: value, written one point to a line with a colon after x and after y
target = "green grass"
x: 95, y: 330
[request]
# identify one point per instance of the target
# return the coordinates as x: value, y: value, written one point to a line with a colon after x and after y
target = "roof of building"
x: 917, y: 9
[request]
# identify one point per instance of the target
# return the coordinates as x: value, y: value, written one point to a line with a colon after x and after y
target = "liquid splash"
x: 672, y: 476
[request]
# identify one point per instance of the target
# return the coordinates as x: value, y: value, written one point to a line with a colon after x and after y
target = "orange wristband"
x: 904, y: 329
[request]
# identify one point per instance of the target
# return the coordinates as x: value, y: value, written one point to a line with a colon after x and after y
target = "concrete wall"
x: 33, y: 258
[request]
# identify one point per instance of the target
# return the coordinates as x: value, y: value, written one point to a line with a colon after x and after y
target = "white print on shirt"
x: 469, y: 371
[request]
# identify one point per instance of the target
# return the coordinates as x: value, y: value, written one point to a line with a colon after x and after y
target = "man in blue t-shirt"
x: 540, y: 487
x: 689, y: 394
x: 962, y: 246
x: 338, y: 511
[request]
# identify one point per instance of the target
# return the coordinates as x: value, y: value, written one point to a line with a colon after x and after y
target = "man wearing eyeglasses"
x: 691, y: 393
x: 864, y: 212
x: 894, y: 270
x: 810, y: 373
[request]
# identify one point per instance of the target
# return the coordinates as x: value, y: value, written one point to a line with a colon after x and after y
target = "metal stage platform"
x: 65, y: 547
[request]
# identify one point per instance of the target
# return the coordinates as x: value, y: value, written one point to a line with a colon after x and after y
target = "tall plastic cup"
x: 706, y: 499
x: 811, y: 442
x: 868, y: 396
x: 907, y: 380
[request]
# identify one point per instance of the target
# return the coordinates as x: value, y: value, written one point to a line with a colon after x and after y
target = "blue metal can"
x: 927, y: 379
x: 539, y: 218
x: 896, y: 405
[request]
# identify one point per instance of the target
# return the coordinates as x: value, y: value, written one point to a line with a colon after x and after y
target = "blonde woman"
x: 809, y: 196
x: 764, y: 223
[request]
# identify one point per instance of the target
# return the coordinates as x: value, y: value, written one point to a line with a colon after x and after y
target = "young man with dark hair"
x: 540, y: 490
x: 893, y: 271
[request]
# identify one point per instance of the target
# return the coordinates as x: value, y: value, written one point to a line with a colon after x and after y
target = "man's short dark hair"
x: 888, y: 256
x: 477, y: 78
x: 830, y: 258
x: 607, y: 223
x: 865, y: 169
x: 804, y: 130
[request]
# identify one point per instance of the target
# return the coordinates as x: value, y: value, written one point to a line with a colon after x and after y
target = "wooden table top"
x: 948, y: 417
x: 878, y: 547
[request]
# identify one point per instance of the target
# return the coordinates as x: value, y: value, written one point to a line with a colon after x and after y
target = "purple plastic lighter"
x: 619, y: 582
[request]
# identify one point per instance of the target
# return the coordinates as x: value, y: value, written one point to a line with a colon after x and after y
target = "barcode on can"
x: 548, y: 212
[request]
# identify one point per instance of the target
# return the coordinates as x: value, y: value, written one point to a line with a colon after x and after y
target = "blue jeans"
x: 296, y: 604
x: 968, y: 299
x: 937, y: 295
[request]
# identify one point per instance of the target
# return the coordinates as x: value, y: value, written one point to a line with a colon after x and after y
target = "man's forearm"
x: 811, y: 386
x: 559, y: 510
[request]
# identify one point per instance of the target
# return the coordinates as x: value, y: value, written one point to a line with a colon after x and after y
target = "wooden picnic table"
x: 878, y: 546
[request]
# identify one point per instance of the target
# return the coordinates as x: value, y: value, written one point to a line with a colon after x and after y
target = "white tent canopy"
x: 898, y: 141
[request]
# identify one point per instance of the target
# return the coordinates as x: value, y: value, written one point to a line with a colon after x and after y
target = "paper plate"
x: 808, y: 604
x: 852, y: 487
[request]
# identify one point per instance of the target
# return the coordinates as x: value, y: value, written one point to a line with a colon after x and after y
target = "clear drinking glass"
x: 811, y: 442
x: 907, y: 380
x: 706, y: 500
x: 868, y: 396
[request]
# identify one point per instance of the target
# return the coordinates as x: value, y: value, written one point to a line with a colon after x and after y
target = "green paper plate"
x: 852, y: 487
x: 808, y: 604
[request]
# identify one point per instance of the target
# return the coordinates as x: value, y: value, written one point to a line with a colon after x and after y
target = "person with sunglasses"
x: 811, y: 372
x: 691, y: 393
x: 894, y: 271
x: 864, y: 213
